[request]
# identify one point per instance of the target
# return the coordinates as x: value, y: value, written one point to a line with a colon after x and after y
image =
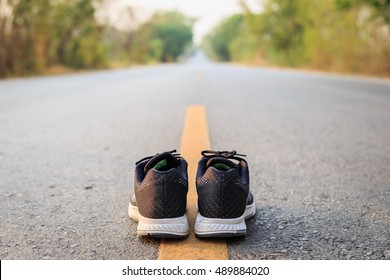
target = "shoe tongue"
x: 162, y: 162
x: 220, y: 163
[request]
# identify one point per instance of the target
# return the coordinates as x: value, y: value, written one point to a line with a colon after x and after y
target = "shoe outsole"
x: 159, y: 228
x: 161, y: 235
x: 210, y: 227
x: 221, y: 234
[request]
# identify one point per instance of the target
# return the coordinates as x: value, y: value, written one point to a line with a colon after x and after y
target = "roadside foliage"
x: 350, y: 36
x: 41, y: 35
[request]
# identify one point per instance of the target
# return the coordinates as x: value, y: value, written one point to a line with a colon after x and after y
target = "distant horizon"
x: 208, y: 13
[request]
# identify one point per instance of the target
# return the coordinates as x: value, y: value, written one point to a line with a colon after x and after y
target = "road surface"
x: 318, y: 148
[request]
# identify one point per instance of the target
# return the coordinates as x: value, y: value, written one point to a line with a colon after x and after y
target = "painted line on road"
x: 195, y: 138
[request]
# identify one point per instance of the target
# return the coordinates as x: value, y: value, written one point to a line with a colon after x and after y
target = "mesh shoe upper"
x: 161, y: 186
x: 222, y: 185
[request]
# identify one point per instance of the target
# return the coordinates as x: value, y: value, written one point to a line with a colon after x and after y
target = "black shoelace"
x: 173, y: 152
x: 225, y: 154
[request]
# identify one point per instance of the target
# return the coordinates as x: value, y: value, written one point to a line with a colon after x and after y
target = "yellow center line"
x: 195, y: 138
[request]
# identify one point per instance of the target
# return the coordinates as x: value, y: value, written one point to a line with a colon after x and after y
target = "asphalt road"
x: 318, y: 148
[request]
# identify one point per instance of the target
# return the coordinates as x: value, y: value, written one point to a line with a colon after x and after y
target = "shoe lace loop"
x: 225, y: 154
x: 173, y: 152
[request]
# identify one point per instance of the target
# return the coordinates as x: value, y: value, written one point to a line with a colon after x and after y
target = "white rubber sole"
x: 160, y: 228
x: 209, y: 227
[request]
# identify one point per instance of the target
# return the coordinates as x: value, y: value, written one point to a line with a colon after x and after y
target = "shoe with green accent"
x: 224, y: 197
x: 159, y: 201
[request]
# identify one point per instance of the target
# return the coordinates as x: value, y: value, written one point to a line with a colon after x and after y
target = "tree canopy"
x: 163, y: 38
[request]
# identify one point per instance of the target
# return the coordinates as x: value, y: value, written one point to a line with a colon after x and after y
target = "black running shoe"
x: 159, y: 201
x: 224, y: 198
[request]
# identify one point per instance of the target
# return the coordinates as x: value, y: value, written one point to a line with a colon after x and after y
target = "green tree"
x: 337, y: 35
x: 76, y: 35
x: 163, y: 38
x: 35, y: 35
x: 24, y: 35
x: 283, y: 31
x: 223, y: 35
x: 381, y: 8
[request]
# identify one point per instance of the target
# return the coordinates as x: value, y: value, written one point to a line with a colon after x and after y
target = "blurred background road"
x: 318, y: 148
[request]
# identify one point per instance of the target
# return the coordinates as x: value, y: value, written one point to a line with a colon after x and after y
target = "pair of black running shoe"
x: 159, y: 202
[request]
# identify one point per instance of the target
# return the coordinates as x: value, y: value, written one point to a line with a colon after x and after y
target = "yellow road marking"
x: 195, y: 138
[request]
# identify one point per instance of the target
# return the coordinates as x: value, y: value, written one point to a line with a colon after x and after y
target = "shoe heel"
x: 159, y: 228
x: 209, y: 227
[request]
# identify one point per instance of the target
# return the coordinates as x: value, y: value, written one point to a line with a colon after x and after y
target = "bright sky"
x: 207, y: 12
